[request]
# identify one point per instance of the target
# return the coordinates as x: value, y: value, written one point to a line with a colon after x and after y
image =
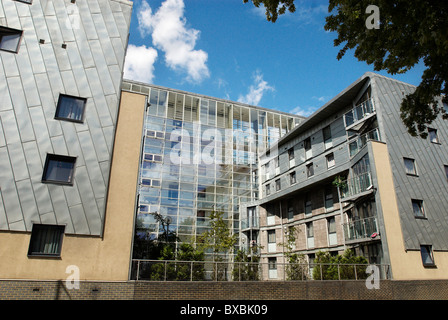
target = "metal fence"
x: 170, y: 270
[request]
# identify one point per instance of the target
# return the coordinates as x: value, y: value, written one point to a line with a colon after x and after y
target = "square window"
x: 10, y: 39
x: 70, y: 108
x: 409, y: 164
x: 59, y: 169
x: 433, y: 135
x: 427, y: 256
x: 417, y: 207
x: 46, y: 240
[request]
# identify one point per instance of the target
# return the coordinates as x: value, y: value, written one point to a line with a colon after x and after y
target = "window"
x: 331, y: 225
x: 417, y: 207
x: 292, y: 177
x: 446, y: 171
x: 433, y: 135
x: 290, y: 204
x: 277, y: 162
x: 59, y: 169
x: 309, y: 230
x: 272, y: 262
x: 278, y: 185
x: 10, y: 39
x: 308, y: 206
x: 26, y: 1
x: 70, y: 108
x: 271, y: 236
x: 427, y: 256
x: 309, y: 170
x: 268, y: 189
x: 329, y: 198
x: 46, y: 240
x: 291, y: 154
x: 409, y: 164
x: 307, y: 146
x: 327, y: 137
x: 330, y: 160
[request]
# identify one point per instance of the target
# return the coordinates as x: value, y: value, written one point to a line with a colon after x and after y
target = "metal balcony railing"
x: 358, y: 113
x: 170, y: 270
x: 356, y: 185
x: 356, y: 144
x: 251, y: 222
x: 362, y: 229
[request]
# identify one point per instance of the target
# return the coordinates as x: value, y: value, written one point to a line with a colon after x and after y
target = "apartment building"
x: 199, y: 155
x: 61, y: 68
x: 350, y: 176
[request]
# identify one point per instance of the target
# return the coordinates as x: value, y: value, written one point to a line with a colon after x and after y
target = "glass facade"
x: 199, y: 154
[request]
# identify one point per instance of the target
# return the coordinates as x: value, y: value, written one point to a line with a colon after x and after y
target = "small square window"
x: 10, y: 39
x: 427, y: 255
x: 409, y: 164
x: 433, y: 137
x: 70, y: 108
x: 46, y: 240
x: 417, y: 207
x: 59, y: 169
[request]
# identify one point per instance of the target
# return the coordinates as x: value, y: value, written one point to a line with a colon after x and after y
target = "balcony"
x: 356, y: 187
x: 355, y: 117
x: 358, y: 143
x: 361, y: 230
x: 249, y: 223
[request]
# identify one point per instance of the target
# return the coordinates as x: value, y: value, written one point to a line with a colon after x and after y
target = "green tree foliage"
x: 409, y: 32
x: 246, y: 267
x: 297, y: 267
x: 340, y: 267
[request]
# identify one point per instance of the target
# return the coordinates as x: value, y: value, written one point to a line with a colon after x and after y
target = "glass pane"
x: 10, y: 42
x: 58, y: 170
x: 70, y: 108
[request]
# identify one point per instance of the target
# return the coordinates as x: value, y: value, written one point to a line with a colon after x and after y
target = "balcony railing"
x: 251, y: 222
x: 169, y: 270
x: 356, y: 185
x: 362, y: 229
x: 358, y: 113
x: 357, y: 144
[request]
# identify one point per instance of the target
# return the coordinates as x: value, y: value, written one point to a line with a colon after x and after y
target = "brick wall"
x: 251, y: 290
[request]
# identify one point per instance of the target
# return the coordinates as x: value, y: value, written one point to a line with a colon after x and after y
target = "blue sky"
x: 227, y: 49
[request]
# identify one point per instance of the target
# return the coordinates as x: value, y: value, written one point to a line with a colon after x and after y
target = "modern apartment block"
x: 391, y: 203
x: 61, y: 68
x: 199, y: 155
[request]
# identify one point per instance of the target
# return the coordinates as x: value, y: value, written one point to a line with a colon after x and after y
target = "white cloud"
x: 303, y: 111
x: 167, y: 27
x: 256, y: 91
x: 139, y: 63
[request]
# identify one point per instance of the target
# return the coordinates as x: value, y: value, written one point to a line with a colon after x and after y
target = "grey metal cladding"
x: 75, y: 49
x: 430, y: 184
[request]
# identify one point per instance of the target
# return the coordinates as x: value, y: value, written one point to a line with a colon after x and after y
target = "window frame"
x: 309, y: 170
x: 59, y: 232
x: 414, y: 171
x: 57, y: 115
x: 435, y: 135
x: 59, y: 158
x: 421, y: 207
x: 278, y: 185
x: 292, y: 177
x: 331, y: 163
x: 6, y: 31
x: 428, y: 251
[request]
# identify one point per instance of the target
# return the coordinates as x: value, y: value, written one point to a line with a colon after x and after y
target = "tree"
x: 339, y: 267
x: 220, y: 241
x: 297, y: 267
x: 407, y: 33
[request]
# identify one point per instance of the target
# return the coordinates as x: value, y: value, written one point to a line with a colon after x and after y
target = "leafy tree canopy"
x: 409, y: 32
